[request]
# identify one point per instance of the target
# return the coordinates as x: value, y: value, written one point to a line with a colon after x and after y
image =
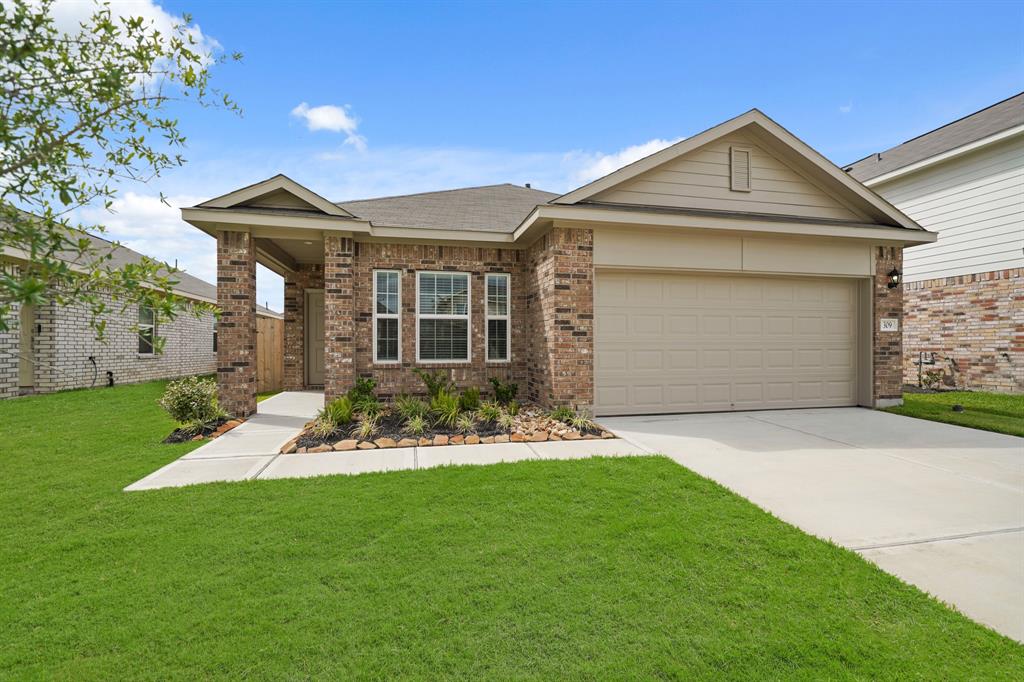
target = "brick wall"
x: 410, y: 258
x: 560, y: 328
x: 887, y: 347
x: 976, y: 320
x: 236, y: 331
x: 339, y: 332
x: 295, y: 285
x: 9, y: 348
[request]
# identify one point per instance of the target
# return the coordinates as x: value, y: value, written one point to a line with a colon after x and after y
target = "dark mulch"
x: 181, y: 435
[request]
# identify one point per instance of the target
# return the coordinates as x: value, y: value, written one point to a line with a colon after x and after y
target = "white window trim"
x: 387, y: 316
x: 468, y: 317
x: 152, y: 336
x: 507, y: 317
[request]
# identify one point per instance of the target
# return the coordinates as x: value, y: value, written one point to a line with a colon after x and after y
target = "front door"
x: 314, y: 338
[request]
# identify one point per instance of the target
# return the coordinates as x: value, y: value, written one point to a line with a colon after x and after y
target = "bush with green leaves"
x: 340, y: 411
x: 581, y: 423
x: 512, y: 408
x: 562, y: 414
x: 436, y: 382
x: 504, y: 391
x: 445, y: 408
x: 469, y: 401
x: 489, y: 412
x: 506, y: 421
x: 369, y: 406
x: 362, y: 390
x: 192, y: 401
x: 408, y: 407
x: 367, y: 428
x: 466, y: 423
x: 415, y: 425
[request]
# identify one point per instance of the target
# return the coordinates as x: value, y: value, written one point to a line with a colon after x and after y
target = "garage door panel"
x: 679, y: 343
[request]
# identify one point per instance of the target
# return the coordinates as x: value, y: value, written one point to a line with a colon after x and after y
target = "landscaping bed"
x: 359, y: 420
x: 208, y: 430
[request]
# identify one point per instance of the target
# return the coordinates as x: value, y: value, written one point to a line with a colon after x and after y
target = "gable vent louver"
x: 739, y: 169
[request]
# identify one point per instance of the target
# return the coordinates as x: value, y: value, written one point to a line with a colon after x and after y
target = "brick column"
x: 236, y: 330
x: 887, y: 347
x: 339, y: 316
x: 561, y: 319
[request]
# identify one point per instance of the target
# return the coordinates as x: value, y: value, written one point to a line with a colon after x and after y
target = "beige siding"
x: 976, y: 204
x: 701, y: 180
x: 279, y: 199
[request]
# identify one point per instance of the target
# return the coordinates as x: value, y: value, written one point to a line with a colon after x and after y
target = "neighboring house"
x: 963, y: 295
x: 737, y: 269
x: 52, y: 347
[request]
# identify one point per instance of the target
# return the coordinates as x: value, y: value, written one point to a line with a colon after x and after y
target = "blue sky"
x: 426, y: 96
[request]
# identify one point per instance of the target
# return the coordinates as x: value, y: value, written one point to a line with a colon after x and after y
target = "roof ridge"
x: 441, y: 191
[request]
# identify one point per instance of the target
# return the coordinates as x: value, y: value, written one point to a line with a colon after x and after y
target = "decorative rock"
x: 472, y: 439
x: 487, y: 440
x: 348, y: 444
x: 289, y: 448
x: 456, y: 440
x: 320, y: 448
x: 407, y: 443
x: 607, y: 434
x: 385, y: 443
x: 554, y: 436
x: 589, y: 436
x: 424, y: 442
x: 539, y: 436
x: 517, y: 438
x: 501, y: 438
x: 301, y: 451
x: 440, y: 440
x: 366, y: 445
x: 572, y: 435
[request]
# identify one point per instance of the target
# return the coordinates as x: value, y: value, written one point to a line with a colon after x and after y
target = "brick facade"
x: 236, y: 342
x: 561, y: 318
x: 974, y: 324
x: 887, y: 347
x: 339, y: 316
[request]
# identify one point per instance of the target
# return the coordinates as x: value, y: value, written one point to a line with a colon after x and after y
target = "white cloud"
x: 846, y: 108
x: 594, y: 166
x: 334, y: 119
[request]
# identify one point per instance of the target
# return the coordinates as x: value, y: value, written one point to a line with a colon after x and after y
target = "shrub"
x: 340, y: 411
x: 369, y: 406
x: 489, y: 412
x: 504, y: 391
x: 436, y: 382
x: 324, y: 426
x: 506, y: 421
x: 512, y: 408
x: 192, y: 400
x: 581, y: 423
x: 362, y: 390
x: 416, y: 425
x: 367, y: 428
x: 408, y: 407
x: 465, y: 423
x: 469, y: 401
x: 445, y: 408
x: 932, y: 378
x: 562, y: 414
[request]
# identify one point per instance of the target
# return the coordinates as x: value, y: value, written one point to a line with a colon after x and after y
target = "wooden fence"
x: 269, y: 354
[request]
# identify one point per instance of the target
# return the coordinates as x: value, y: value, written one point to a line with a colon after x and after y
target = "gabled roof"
x: 772, y: 135
x: 982, y: 124
x: 277, y: 186
x: 491, y: 208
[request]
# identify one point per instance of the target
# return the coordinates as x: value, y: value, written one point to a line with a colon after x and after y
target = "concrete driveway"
x: 940, y: 506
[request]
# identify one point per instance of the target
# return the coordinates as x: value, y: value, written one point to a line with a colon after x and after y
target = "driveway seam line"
x: 264, y: 467
x: 941, y: 538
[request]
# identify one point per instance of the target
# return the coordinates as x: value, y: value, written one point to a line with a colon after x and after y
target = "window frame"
x: 387, y: 316
x: 431, y: 316
x: 151, y: 326
x: 507, y: 317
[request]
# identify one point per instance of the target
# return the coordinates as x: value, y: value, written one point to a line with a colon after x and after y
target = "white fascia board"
x: 945, y: 156
x: 272, y: 184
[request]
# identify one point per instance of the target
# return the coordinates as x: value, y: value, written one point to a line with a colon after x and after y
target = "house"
x: 737, y: 269
x: 52, y: 347
x: 963, y: 295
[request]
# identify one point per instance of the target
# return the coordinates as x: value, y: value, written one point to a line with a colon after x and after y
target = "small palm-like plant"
x: 512, y: 408
x: 489, y: 412
x: 416, y: 425
x: 465, y: 423
x: 506, y: 421
x: 446, y: 409
x: 581, y: 423
x: 408, y: 407
x: 369, y: 407
x: 340, y: 411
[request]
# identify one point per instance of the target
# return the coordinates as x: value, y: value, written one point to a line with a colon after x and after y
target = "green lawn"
x: 597, y: 569
x: 988, y: 411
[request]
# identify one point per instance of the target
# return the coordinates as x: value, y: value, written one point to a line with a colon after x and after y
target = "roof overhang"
x: 277, y: 183
x: 602, y: 215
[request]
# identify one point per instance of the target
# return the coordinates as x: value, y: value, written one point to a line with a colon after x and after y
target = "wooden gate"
x: 269, y: 353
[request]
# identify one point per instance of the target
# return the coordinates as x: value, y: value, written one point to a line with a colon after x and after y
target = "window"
x: 387, y: 334
x: 499, y: 341
x: 442, y: 322
x: 147, y: 330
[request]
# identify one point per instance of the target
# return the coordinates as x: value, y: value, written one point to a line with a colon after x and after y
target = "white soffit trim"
x: 945, y: 156
x: 278, y: 182
x: 753, y: 117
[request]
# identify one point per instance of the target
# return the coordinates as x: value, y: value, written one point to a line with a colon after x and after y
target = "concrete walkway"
x: 250, y: 451
x: 940, y: 506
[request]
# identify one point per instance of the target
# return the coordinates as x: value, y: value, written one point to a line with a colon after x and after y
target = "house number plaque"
x: 889, y: 324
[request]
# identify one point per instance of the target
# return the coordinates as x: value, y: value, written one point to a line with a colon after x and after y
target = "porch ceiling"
x: 284, y: 255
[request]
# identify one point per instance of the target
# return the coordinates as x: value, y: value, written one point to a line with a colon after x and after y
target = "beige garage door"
x: 702, y: 343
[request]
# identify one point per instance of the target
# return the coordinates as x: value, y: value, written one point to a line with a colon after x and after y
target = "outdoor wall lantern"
x: 894, y: 278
